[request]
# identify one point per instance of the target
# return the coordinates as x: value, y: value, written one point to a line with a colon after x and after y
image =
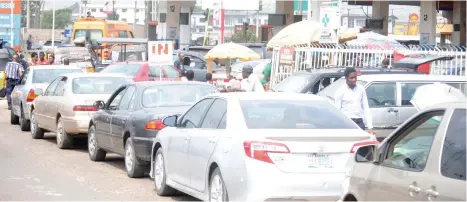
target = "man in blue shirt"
x: 14, y: 71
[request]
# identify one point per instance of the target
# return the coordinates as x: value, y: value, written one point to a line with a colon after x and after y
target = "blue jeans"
x: 10, y: 85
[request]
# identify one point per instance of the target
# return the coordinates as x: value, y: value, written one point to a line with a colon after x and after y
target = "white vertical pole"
x: 28, y: 16
x: 308, y: 13
x: 11, y: 23
x: 257, y: 24
x: 53, y: 23
x: 134, y: 19
x: 80, y: 8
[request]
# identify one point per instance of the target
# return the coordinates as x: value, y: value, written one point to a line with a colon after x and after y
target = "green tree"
x: 241, y: 37
x: 35, y: 8
x: 62, y: 18
x: 113, y: 16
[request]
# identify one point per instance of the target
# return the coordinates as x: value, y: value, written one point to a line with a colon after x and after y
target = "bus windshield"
x: 91, y: 34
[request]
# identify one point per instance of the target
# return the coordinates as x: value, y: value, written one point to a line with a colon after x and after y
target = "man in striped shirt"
x: 13, y: 71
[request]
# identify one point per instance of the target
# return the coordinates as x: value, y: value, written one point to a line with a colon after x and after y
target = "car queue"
x: 218, y: 146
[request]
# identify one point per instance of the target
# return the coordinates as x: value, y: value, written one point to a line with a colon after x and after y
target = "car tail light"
x: 259, y: 150
x: 31, y: 96
x: 362, y: 144
x: 84, y: 108
x: 155, y: 125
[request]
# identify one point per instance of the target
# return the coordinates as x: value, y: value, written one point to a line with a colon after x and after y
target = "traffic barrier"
x: 323, y: 56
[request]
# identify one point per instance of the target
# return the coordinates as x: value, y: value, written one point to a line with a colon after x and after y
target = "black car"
x: 314, y: 81
x: 128, y: 122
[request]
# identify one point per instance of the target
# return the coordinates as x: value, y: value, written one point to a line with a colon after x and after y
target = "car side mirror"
x: 99, y: 104
x: 38, y: 91
x: 170, y: 121
x: 365, y: 154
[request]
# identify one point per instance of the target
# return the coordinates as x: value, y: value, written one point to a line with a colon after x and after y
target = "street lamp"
x: 53, y: 23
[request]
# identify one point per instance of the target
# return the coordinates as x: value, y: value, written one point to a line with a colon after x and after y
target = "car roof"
x: 164, y: 83
x: 54, y: 67
x: 87, y: 75
x: 448, y: 105
x: 270, y: 96
x: 409, y: 77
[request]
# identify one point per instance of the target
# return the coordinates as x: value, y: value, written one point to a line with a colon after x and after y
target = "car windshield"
x: 127, y: 69
x: 158, y: 71
x: 331, y: 90
x: 97, y: 85
x: 294, y: 83
x: 48, y: 75
x: 175, y: 95
x: 293, y: 114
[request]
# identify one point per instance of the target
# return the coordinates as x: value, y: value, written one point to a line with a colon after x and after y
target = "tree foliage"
x: 62, y: 18
x: 113, y: 16
x: 35, y: 8
x: 241, y: 37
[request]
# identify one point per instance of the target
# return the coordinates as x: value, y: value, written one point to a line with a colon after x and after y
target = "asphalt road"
x: 36, y: 170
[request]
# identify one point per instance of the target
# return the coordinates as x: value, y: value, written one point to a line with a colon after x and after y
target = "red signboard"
x: 5, y: 6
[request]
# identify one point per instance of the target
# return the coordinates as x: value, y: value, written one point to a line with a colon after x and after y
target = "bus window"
x: 122, y: 34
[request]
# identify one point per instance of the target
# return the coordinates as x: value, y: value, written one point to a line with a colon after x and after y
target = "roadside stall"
x: 226, y: 53
x: 122, y: 43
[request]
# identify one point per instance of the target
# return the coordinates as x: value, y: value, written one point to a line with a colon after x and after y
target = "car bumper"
x: 76, y: 125
x: 143, y: 147
x: 267, y: 183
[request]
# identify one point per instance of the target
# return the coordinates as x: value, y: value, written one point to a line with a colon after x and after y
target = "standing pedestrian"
x: 51, y: 59
x: 385, y: 63
x: 190, y: 75
x: 34, y: 59
x: 42, y: 60
x: 250, y: 82
x: 13, y: 71
x: 266, y: 76
x: 209, y: 78
x: 23, y: 61
x: 353, y: 102
x: 66, y: 61
x: 179, y: 63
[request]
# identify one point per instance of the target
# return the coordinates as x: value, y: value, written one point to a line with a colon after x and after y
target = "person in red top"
x: 34, y: 59
x: 42, y: 60
x: 51, y: 59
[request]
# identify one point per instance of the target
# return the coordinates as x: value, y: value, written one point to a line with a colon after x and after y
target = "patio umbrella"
x: 232, y: 51
x: 431, y: 94
x: 299, y: 33
x: 372, y: 39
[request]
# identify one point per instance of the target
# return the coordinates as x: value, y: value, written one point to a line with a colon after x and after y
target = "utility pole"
x: 134, y: 19
x: 11, y: 21
x: 53, y: 23
x: 28, y: 16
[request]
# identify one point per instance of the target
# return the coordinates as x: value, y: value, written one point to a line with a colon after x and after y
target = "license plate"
x: 319, y: 161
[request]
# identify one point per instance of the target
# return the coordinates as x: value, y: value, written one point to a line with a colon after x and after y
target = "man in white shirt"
x: 353, y: 102
x: 250, y: 82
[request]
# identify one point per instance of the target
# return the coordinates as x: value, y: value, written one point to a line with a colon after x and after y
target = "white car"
x: 256, y: 146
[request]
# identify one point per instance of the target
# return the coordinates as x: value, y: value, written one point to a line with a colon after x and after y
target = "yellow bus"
x: 94, y: 28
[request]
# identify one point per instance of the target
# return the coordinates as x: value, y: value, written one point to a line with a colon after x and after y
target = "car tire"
x: 36, y: 131
x: 14, y: 120
x: 95, y: 153
x: 64, y: 140
x: 160, y: 176
x: 24, y: 123
x: 217, y: 187
x: 133, y: 168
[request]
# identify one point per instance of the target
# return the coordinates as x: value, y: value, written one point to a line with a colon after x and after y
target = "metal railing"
x: 323, y: 56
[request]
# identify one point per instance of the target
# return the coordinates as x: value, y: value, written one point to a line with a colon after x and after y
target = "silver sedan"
x: 256, y: 146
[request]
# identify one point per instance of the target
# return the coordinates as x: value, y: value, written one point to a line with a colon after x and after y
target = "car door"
x: 404, y: 106
x: 401, y: 169
x: 382, y: 100
x: 203, y: 142
x: 103, y: 122
x: 180, y: 138
x: 56, y: 103
x: 448, y: 167
x: 18, y: 93
x: 119, y: 118
x: 41, y: 103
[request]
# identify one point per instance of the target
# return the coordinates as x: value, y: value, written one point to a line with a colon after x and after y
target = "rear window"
x: 175, y: 95
x: 97, y: 85
x: 294, y: 83
x: 127, y: 69
x: 293, y: 114
x: 48, y: 75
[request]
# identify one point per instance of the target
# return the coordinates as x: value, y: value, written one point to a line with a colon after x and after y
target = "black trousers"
x: 360, y: 123
x: 10, y: 85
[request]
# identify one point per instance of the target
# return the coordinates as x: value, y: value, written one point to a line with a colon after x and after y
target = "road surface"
x: 35, y: 170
